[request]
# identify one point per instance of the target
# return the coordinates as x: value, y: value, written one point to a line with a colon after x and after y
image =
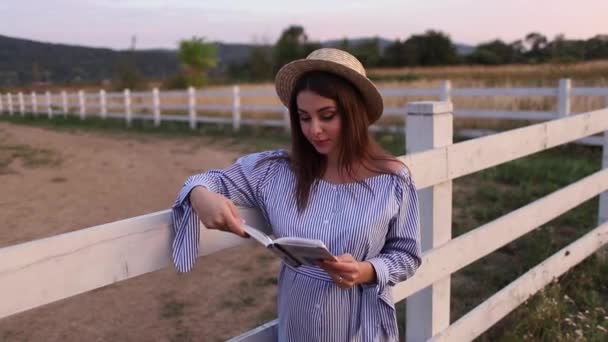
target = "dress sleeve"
x: 242, y: 183
x: 401, y: 254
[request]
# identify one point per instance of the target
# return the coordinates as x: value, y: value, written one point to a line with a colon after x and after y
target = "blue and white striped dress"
x: 378, y: 223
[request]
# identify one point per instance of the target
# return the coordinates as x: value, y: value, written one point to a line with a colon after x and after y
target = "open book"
x: 294, y: 251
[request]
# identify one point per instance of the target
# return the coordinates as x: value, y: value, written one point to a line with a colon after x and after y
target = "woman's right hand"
x: 216, y: 211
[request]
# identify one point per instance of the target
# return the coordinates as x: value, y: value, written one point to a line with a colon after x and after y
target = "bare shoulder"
x: 394, y: 165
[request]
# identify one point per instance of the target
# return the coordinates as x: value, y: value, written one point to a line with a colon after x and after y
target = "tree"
x: 495, y: 52
x: 536, y: 44
x: 293, y: 44
x: 345, y: 45
x: 394, y: 54
x: 196, y: 57
x: 368, y: 52
x: 430, y: 48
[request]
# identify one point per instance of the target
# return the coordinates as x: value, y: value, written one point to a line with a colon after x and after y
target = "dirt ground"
x: 53, y: 182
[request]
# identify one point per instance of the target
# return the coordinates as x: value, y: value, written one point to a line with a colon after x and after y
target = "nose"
x: 315, y: 127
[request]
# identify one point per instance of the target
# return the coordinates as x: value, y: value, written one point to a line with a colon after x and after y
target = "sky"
x: 162, y: 23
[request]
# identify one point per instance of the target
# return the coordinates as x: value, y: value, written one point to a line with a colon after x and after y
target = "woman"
x: 335, y: 185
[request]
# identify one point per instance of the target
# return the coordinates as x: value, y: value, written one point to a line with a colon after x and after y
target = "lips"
x: 320, y: 142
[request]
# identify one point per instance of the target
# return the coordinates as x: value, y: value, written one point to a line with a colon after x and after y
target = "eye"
x: 328, y: 116
x: 304, y: 118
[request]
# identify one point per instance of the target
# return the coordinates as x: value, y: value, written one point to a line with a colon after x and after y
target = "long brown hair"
x: 356, y: 144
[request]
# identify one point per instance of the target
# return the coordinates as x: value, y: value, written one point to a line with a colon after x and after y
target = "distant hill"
x: 461, y: 49
x: 24, y: 61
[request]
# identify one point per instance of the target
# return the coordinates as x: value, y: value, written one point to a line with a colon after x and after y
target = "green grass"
x: 500, y: 190
x: 572, y: 308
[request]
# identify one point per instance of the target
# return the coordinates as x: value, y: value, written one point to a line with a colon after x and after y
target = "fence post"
x: 1, y: 105
x: 81, y: 104
x: 103, y: 104
x: 156, y: 106
x: 236, y: 108
x: 64, y: 103
x: 9, y: 100
x: 430, y: 125
x: 192, y: 107
x: 49, y: 104
x: 127, y: 95
x: 21, y: 104
x: 34, y: 103
x: 602, y: 215
x: 563, y: 98
x: 445, y: 91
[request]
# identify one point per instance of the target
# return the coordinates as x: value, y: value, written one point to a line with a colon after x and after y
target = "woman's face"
x: 320, y: 121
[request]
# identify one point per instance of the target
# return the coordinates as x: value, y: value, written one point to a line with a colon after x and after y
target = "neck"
x: 332, y: 162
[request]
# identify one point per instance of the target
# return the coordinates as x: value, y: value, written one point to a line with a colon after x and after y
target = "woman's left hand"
x: 347, y: 272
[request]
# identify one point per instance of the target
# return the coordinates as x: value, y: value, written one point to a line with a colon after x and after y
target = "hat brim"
x: 289, y: 74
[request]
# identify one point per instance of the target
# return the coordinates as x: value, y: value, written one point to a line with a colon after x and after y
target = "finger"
x: 339, y: 267
x: 345, y: 258
x: 342, y: 282
x: 239, y: 220
x: 235, y: 212
x: 234, y: 224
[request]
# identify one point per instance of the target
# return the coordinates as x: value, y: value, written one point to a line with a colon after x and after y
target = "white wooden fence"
x: 151, y: 105
x: 46, y: 270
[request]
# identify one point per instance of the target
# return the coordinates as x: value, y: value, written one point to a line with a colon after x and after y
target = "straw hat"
x: 336, y: 62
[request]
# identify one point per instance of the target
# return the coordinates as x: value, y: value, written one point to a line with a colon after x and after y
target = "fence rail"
x: 159, y: 106
x: 434, y: 161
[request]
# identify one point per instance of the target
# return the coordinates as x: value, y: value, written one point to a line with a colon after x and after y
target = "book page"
x: 307, y: 255
x: 295, y: 241
x: 257, y: 235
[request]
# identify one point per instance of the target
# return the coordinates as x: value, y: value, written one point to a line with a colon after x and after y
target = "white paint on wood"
x: 253, y: 92
x: 415, y: 92
x: 432, y: 167
x: 510, y: 92
x: 263, y: 108
x: 477, y: 133
x: 506, y: 300
x: 156, y: 106
x: 21, y: 103
x: 128, y: 113
x: 225, y: 92
x: 34, y: 100
x: 471, y: 246
x: 429, y: 108
x: 602, y: 214
x: 81, y: 104
x: 103, y: 104
x: 475, y: 155
x: 445, y: 91
x: 49, y: 104
x: 9, y: 103
x: 236, y: 108
x: 192, y: 107
x: 589, y: 91
x: 264, y: 333
x: 428, y: 168
x: 64, y: 103
x: 504, y: 114
x: 429, y: 126
x: 46, y: 270
x: 563, y: 97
